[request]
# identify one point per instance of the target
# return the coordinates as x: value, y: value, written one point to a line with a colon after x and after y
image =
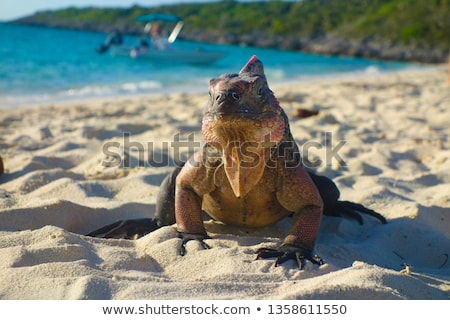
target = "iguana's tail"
x: 126, y: 229
x: 337, y: 208
x: 354, y: 211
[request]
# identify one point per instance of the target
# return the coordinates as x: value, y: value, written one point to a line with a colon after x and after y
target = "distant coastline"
x: 328, y: 44
x: 376, y: 30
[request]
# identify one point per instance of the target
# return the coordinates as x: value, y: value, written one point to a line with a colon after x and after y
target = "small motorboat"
x: 157, y: 47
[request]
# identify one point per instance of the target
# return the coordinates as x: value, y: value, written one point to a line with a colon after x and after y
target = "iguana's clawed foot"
x: 126, y: 229
x: 287, y: 252
x: 186, y: 237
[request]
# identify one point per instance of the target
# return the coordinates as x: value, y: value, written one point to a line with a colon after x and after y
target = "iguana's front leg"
x: 299, y: 242
x: 298, y: 194
x: 189, y: 218
x: 191, y: 184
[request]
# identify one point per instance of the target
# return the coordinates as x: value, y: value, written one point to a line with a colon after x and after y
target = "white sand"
x: 397, y: 152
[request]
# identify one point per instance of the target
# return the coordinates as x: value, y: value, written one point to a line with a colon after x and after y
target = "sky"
x: 12, y: 9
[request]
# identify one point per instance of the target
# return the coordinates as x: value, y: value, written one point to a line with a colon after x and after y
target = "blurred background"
x: 49, y: 49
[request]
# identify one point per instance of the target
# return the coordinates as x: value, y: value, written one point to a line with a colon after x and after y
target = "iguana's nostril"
x: 230, y: 96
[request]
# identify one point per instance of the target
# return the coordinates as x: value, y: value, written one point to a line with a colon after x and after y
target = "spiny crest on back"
x: 251, y: 71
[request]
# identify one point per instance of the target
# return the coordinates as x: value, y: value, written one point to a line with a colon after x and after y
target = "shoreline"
x: 328, y: 44
x: 56, y: 187
x: 56, y: 98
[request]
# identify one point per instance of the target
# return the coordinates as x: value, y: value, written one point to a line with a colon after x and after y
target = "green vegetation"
x: 416, y: 23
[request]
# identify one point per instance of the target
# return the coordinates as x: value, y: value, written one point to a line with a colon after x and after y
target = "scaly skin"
x: 248, y: 174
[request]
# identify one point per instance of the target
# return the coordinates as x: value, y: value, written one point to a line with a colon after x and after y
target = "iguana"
x: 249, y: 173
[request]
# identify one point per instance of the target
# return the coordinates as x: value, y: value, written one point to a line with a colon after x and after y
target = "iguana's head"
x: 243, y: 119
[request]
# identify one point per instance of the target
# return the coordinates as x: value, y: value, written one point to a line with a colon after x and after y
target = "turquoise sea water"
x: 43, y: 64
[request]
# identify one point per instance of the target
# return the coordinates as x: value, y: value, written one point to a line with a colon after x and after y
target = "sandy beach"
x: 62, y: 179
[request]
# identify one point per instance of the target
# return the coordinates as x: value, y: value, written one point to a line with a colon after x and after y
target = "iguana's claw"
x: 126, y: 229
x: 191, y: 236
x: 287, y: 252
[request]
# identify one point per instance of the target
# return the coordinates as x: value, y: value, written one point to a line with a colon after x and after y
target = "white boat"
x: 159, y: 48
x: 172, y: 55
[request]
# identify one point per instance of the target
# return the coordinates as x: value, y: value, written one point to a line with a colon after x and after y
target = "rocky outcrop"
x: 328, y: 45
x: 374, y: 49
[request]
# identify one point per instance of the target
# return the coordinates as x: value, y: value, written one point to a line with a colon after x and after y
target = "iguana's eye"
x: 260, y: 90
x: 260, y: 87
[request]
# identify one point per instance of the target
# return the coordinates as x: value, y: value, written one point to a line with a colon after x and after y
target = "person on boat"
x: 114, y: 39
x: 138, y: 51
x: 159, y: 42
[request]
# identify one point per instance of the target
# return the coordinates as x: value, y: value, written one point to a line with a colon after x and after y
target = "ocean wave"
x: 105, y: 90
x: 89, y: 91
x: 140, y: 86
x: 372, y: 70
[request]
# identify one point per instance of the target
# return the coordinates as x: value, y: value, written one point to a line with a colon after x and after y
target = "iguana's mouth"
x: 241, y: 112
x: 264, y: 128
x: 245, y: 144
x: 245, y: 118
